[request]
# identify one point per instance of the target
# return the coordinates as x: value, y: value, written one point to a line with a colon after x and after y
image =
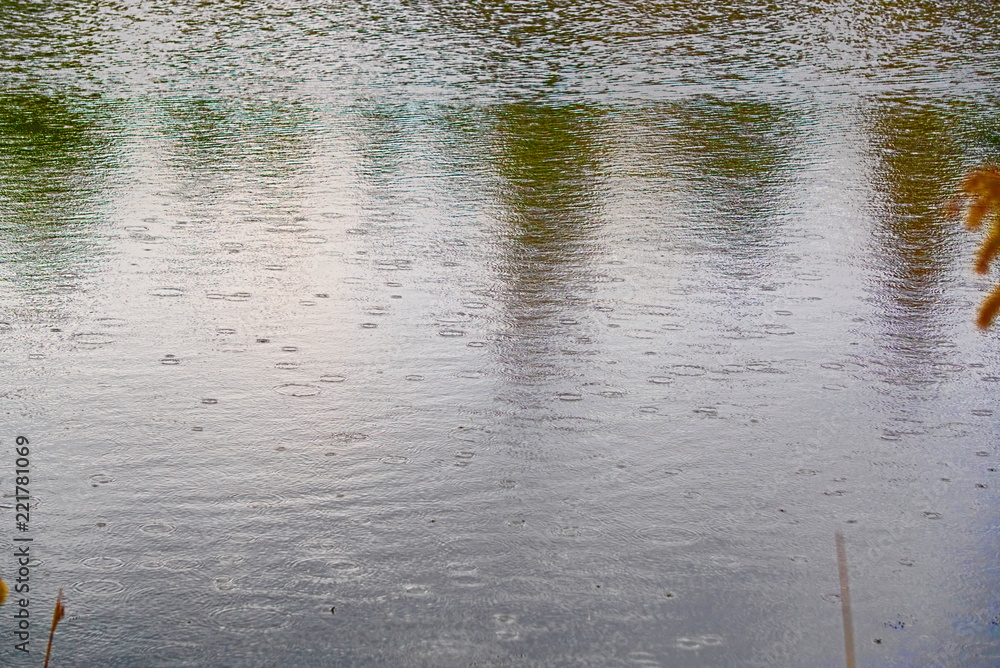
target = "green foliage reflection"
x: 49, y: 185
x: 550, y: 160
x: 737, y: 153
x: 917, y: 149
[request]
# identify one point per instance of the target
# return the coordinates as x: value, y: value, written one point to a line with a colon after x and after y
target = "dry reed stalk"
x: 845, y: 600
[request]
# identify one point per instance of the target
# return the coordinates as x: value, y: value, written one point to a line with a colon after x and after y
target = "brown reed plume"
x: 57, y: 614
x: 980, y: 193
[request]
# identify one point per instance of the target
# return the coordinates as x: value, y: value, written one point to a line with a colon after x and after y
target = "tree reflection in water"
x: 55, y: 162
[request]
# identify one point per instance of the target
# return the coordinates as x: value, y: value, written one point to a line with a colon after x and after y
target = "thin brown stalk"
x: 57, y: 614
x: 845, y: 600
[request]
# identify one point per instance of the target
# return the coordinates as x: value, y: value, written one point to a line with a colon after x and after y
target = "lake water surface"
x: 498, y: 333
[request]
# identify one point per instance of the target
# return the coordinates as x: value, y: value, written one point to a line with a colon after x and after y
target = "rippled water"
x: 498, y: 334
